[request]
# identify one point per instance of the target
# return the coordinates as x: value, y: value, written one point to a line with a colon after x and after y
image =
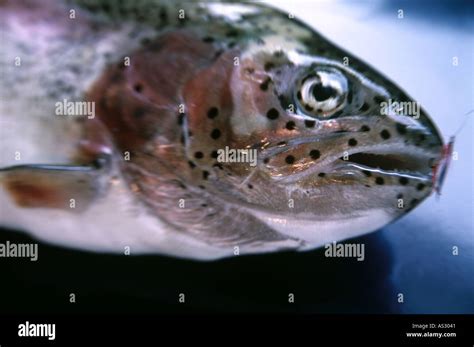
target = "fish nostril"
x: 290, y: 125
x: 401, y: 128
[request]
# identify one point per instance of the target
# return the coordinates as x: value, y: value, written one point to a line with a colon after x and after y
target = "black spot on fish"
x: 399, y: 196
x: 367, y: 173
x: 232, y: 33
x: 218, y: 53
x: 138, y: 88
x: 268, y: 66
x: 403, y: 181
x: 385, y: 134
x: 309, y: 123
x: 214, y: 154
x: 290, y: 125
x: 272, y: 113
x: 321, y: 174
x: 250, y: 186
x: 208, y: 39
x: 215, y: 134
x: 205, y: 175
x: 413, y: 202
x: 364, y: 128
x: 198, y: 155
x: 308, y: 108
x: 191, y: 164
x: 298, y: 95
x: 278, y: 54
x: 314, y: 154
x: 290, y: 159
x: 420, y: 186
x: 139, y: 113
x: 364, y: 107
x: 352, y: 142
x: 163, y: 15
x: 379, y: 181
x: 264, y: 85
x: 212, y: 113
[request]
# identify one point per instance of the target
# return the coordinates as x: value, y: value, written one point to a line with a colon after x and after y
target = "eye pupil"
x: 322, y: 93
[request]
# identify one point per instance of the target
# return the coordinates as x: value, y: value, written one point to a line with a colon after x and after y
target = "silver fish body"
x: 219, y: 129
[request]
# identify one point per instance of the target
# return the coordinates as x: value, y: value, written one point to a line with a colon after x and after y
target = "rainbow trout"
x: 198, y: 130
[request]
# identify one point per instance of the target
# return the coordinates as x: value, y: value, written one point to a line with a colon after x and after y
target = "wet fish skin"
x: 300, y: 195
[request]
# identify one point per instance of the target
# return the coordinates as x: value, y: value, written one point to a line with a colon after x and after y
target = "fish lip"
x: 334, y: 165
x: 403, y: 160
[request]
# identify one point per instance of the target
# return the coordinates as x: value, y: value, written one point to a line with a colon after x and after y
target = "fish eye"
x: 322, y: 93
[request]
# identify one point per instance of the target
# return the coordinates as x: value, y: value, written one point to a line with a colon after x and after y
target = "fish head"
x: 337, y: 147
x: 333, y: 141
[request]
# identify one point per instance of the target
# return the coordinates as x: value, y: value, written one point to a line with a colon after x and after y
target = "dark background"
x: 141, y: 284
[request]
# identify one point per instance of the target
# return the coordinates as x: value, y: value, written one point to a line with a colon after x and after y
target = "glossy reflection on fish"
x: 340, y: 150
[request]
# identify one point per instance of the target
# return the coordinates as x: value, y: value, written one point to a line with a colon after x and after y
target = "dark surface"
x: 114, y: 283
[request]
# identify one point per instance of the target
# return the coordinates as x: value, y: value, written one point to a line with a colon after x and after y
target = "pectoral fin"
x: 67, y: 187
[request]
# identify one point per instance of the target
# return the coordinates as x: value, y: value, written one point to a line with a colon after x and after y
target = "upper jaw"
x: 401, y: 156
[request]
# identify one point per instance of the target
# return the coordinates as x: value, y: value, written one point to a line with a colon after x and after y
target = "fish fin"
x: 67, y: 187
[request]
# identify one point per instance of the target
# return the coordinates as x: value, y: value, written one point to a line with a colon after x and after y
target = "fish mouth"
x: 393, y: 161
x: 416, y: 163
